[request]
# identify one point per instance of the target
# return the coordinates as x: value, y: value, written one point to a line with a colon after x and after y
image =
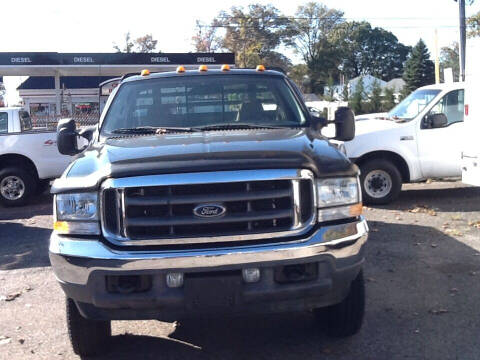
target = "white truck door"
x: 42, y: 148
x: 440, y: 148
x: 470, y: 158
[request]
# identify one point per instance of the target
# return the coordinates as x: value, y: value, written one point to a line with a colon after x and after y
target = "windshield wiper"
x: 238, y: 126
x: 151, y: 130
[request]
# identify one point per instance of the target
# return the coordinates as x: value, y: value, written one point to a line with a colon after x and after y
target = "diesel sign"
x: 83, y: 59
x: 159, y: 59
x: 21, y: 60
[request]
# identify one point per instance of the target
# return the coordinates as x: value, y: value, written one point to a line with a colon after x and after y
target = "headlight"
x: 338, y: 198
x: 76, y: 213
x: 77, y: 206
x: 334, y: 192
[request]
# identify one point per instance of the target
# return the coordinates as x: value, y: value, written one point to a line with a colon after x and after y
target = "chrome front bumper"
x: 74, y: 259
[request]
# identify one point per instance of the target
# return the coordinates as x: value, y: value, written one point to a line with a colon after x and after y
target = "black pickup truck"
x: 207, y: 193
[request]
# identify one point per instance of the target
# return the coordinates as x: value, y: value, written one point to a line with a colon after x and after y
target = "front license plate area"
x: 212, y: 292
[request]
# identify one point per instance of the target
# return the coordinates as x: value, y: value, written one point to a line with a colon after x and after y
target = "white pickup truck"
x: 420, y: 138
x: 29, y: 157
x: 471, y: 148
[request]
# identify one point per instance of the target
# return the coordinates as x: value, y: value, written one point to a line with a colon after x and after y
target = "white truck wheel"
x: 381, y: 181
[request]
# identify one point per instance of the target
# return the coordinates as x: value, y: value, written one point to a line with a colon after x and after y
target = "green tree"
x: 254, y: 34
x: 299, y: 74
x: 206, y: 38
x: 473, y: 25
x: 329, y: 96
x: 310, y: 34
x: 419, y: 69
x: 404, y: 93
x: 357, y: 98
x: 375, y: 99
x: 128, y: 45
x: 345, y: 92
x: 368, y: 50
x: 449, y: 58
x: 388, y: 99
x: 145, y: 44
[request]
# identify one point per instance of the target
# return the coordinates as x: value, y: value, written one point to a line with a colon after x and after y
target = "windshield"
x: 413, y: 104
x: 200, y: 101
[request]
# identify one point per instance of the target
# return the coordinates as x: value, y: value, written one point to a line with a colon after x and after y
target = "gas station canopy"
x: 103, y: 64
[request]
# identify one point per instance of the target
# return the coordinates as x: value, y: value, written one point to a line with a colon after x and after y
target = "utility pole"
x: 437, y: 61
x: 463, y: 38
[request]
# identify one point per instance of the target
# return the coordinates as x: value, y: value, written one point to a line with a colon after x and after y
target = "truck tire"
x: 381, y: 181
x: 16, y: 186
x: 346, y: 318
x: 88, y: 337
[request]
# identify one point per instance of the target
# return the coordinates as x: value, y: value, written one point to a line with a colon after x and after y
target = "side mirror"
x: 87, y: 132
x: 344, y: 124
x: 67, y: 137
x: 317, y: 122
x: 436, y: 120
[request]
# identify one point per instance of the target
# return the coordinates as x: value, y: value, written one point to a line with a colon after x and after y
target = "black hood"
x: 204, y: 151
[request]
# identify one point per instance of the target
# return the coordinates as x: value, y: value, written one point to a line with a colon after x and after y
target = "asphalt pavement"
x: 423, y: 294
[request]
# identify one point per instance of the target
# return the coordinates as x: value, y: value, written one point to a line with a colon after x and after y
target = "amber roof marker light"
x: 225, y: 67
x: 260, y: 68
x: 145, y: 72
x: 203, y: 68
x: 181, y: 69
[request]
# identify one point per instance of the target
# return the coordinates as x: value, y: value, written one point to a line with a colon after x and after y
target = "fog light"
x: 251, y: 275
x: 174, y: 280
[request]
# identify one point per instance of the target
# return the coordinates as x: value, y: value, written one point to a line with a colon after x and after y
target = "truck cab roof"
x: 445, y: 86
x: 209, y: 72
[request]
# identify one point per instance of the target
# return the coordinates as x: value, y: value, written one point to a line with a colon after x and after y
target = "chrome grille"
x: 159, y: 209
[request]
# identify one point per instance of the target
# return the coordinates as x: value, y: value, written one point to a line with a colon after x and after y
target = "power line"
x: 386, y: 26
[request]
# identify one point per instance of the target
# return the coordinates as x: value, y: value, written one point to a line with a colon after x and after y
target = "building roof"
x: 67, y: 82
x: 396, y: 84
x: 367, y: 77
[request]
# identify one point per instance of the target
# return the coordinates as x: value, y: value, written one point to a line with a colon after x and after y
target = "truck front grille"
x: 166, y: 209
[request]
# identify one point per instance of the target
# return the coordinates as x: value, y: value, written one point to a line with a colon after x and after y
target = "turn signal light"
x: 145, y: 72
x: 260, y: 68
x: 202, y: 68
x: 225, y: 67
x: 61, y: 227
x: 356, y: 210
x: 181, y: 69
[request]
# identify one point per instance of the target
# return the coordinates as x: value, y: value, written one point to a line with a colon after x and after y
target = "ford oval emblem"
x: 209, y: 210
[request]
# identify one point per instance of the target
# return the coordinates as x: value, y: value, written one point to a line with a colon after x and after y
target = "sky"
x: 94, y: 25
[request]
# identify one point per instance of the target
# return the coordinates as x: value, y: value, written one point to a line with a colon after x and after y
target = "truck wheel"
x: 381, y: 182
x: 88, y: 337
x: 346, y: 318
x: 16, y: 185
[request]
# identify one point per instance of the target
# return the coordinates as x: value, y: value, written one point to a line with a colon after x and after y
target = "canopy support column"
x: 58, y: 95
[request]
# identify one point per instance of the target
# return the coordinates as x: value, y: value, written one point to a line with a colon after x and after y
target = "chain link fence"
x: 50, y: 122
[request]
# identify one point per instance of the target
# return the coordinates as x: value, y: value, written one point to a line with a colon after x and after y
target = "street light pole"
x: 463, y: 37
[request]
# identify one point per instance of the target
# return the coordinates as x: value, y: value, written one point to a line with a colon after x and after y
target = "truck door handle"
x: 407, y: 137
